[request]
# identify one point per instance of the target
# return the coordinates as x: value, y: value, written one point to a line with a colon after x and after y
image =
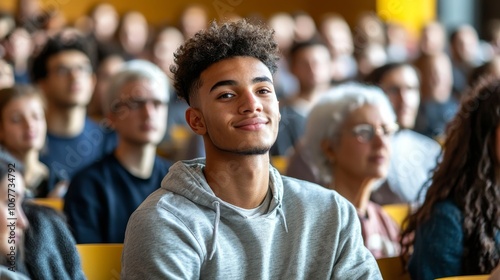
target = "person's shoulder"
x: 411, y: 138
x: 446, y: 207
x: 308, y: 191
x: 97, y: 168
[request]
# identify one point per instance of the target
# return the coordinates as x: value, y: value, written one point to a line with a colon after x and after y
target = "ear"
x: 195, y: 120
x: 327, y: 148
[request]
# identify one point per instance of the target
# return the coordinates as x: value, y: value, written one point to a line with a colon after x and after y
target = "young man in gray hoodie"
x: 232, y: 215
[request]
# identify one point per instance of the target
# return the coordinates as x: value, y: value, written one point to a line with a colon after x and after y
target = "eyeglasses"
x: 136, y: 104
x: 63, y: 70
x: 365, y: 132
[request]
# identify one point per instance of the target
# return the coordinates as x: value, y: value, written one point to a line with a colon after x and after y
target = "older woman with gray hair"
x: 346, y: 146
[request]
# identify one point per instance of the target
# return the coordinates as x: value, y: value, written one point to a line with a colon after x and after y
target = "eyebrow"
x: 233, y: 82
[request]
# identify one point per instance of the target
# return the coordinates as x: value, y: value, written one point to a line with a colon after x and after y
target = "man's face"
x: 312, y: 66
x: 139, y: 115
x: 70, y: 80
x: 235, y: 108
x: 403, y: 89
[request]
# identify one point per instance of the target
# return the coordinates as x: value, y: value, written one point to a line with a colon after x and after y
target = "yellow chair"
x: 392, y: 269
x: 398, y: 211
x: 280, y: 163
x: 101, y: 261
x: 55, y: 203
x: 466, y: 277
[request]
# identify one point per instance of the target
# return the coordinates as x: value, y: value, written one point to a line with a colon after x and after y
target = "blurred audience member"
x: 133, y: 33
x: 40, y: 240
x: 455, y: 231
x: 6, y: 74
x: 193, y: 19
x: 413, y: 154
x: 102, y: 196
x: 19, y: 49
x: 105, y: 20
x: 368, y: 58
x: 465, y: 56
x: 22, y: 134
x: 432, y: 38
x: 305, y: 27
x: 397, y: 47
x: 338, y: 37
x: 438, y: 105
x: 64, y: 72
x: 285, y: 83
x: 310, y: 63
x: 347, y: 145
x: 110, y: 62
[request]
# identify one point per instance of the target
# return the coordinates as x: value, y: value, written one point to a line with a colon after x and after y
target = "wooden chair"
x: 101, y: 261
x: 392, y: 269
x: 398, y: 212
x: 55, y: 203
x: 466, y: 277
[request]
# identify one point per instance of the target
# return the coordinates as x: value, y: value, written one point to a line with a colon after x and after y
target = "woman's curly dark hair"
x: 219, y: 42
x: 468, y: 175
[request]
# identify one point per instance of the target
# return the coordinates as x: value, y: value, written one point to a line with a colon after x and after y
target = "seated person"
x: 22, y: 134
x: 347, y: 145
x: 456, y: 230
x: 64, y: 72
x: 102, y: 197
x: 231, y: 215
x: 38, y: 243
x: 414, y: 155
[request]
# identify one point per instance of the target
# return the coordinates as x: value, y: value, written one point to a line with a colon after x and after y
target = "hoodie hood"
x: 186, y: 179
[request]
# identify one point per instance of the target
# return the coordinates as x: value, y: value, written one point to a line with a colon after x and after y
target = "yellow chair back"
x: 398, y: 212
x: 55, y: 203
x: 392, y: 269
x: 101, y: 261
x: 467, y: 277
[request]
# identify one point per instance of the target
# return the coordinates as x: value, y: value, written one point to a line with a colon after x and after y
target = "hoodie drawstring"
x: 216, y: 204
x: 280, y: 212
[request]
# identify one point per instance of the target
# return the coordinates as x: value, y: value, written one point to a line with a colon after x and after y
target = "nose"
x: 29, y: 123
x: 250, y: 103
x: 149, y: 109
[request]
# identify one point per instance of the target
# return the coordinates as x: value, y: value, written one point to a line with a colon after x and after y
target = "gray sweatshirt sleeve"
x: 353, y: 260
x: 148, y: 254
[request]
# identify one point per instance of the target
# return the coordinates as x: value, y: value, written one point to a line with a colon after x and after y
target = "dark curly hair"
x: 217, y: 43
x: 58, y: 44
x: 468, y: 175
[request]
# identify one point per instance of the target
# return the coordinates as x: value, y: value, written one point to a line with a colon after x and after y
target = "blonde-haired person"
x: 346, y: 145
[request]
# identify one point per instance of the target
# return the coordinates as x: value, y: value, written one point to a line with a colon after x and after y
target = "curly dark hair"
x: 58, y: 44
x: 217, y: 43
x: 468, y: 175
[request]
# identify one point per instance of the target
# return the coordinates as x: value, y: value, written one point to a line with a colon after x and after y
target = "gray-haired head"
x: 135, y: 70
x: 328, y: 116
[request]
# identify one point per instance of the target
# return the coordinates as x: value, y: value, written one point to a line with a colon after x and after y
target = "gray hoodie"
x: 183, y: 231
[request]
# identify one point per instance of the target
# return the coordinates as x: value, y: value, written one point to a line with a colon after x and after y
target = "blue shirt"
x: 102, y: 197
x: 65, y: 156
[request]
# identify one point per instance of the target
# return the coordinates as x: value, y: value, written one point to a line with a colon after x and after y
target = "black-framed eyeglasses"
x: 366, y: 132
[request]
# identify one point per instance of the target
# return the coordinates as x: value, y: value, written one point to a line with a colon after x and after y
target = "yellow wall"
x: 160, y: 11
x: 411, y: 13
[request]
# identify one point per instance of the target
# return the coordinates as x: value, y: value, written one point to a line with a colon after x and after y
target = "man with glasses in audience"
x: 64, y: 72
